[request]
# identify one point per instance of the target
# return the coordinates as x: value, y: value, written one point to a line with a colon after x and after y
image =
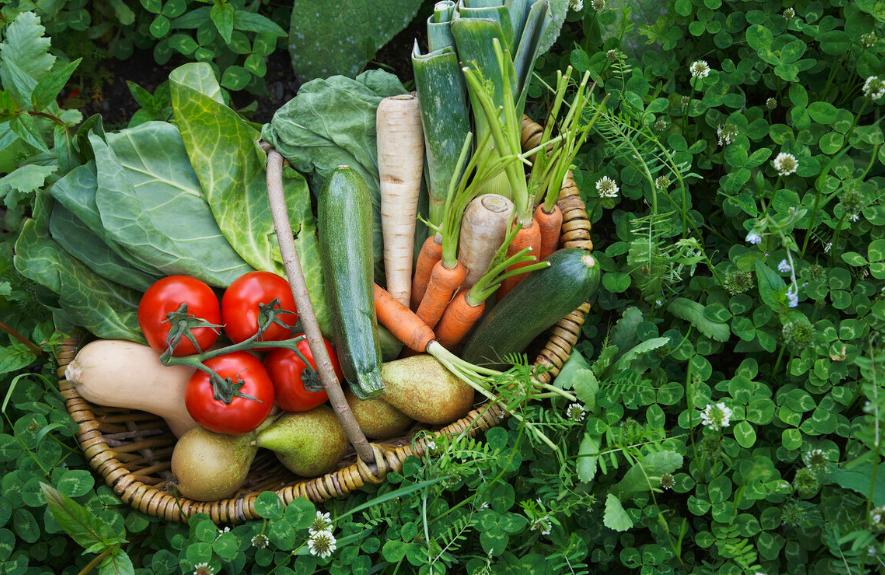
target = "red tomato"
x: 241, y: 415
x: 240, y: 306
x: 291, y: 379
x: 166, y: 296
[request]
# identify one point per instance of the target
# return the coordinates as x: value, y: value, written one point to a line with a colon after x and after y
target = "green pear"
x: 308, y: 443
x: 423, y: 389
x: 377, y: 418
x: 211, y: 466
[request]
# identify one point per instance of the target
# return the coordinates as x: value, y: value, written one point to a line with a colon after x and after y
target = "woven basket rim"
x: 388, y: 455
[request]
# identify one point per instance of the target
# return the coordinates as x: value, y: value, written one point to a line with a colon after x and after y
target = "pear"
x: 211, y: 466
x: 308, y: 443
x: 377, y: 418
x: 423, y: 389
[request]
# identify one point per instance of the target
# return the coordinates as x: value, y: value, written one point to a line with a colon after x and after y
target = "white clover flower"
x: 854, y: 217
x: 789, y: 13
x: 607, y: 188
x: 576, y: 5
x: 815, y: 458
x: 753, y: 238
x: 716, y: 416
x: 543, y: 525
x: 827, y: 247
x: 203, y: 569
x: 612, y: 55
x: 771, y: 103
x: 222, y: 532
x: 322, y: 544
x: 699, y: 69
x: 874, y: 88
x: 786, y: 164
x: 784, y: 267
x: 322, y: 522
x: 484, y: 505
x: 260, y: 541
x: 727, y: 134
x: 598, y: 4
x: 662, y: 182
x: 868, y: 40
x: 429, y: 446
x: 575, y: 412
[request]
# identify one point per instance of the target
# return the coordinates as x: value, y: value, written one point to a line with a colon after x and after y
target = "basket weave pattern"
x: 132, y: 450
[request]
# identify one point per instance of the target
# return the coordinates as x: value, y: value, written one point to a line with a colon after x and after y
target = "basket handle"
x: 280, y: 214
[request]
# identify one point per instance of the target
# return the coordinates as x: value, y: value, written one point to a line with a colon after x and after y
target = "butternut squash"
x: 124, y: 374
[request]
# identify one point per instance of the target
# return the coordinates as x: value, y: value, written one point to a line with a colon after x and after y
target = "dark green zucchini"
x: 539, y: 301
x: 345, y: 228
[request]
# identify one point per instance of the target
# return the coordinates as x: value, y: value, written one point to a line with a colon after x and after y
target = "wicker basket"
x: 132, y: 450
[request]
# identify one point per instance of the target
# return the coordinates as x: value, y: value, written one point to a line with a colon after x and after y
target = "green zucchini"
x: 539, y: 301
x: 345, y: 228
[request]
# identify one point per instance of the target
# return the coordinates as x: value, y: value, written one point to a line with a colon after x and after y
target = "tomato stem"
x: 225, y: 389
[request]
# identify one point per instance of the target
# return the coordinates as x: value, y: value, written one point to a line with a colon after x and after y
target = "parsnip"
x: 482, y: 231
x: 400, y: 167
x: 124, y: 374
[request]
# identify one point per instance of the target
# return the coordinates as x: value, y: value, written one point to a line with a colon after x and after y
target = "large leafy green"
x: 104, y: 308
x: 230, y: 165
x: 76, y: 192
x: 339, y: 36
x: 78, y: 240
x: 151, y: 202
x: 331, y: 123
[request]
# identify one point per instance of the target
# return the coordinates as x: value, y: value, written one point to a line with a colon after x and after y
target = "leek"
x: 518, y: 27
x: 439, y: 26
x: 441, y: 96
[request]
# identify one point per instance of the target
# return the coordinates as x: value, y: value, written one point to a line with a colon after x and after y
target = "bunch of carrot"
x: 481, y: 243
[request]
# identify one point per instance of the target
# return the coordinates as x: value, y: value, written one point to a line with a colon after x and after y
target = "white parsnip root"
x: 400, y: 167
x: 482, y: 231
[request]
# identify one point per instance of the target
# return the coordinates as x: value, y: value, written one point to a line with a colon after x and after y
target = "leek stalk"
x: 443, y: 103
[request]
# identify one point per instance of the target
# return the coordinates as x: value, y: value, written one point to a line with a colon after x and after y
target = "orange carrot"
x: 431, y: 253
x: 443, y: 284
x: 550, y: 226
x: 401, y: 322
x: 528, y: 236
x: 457, y: 320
